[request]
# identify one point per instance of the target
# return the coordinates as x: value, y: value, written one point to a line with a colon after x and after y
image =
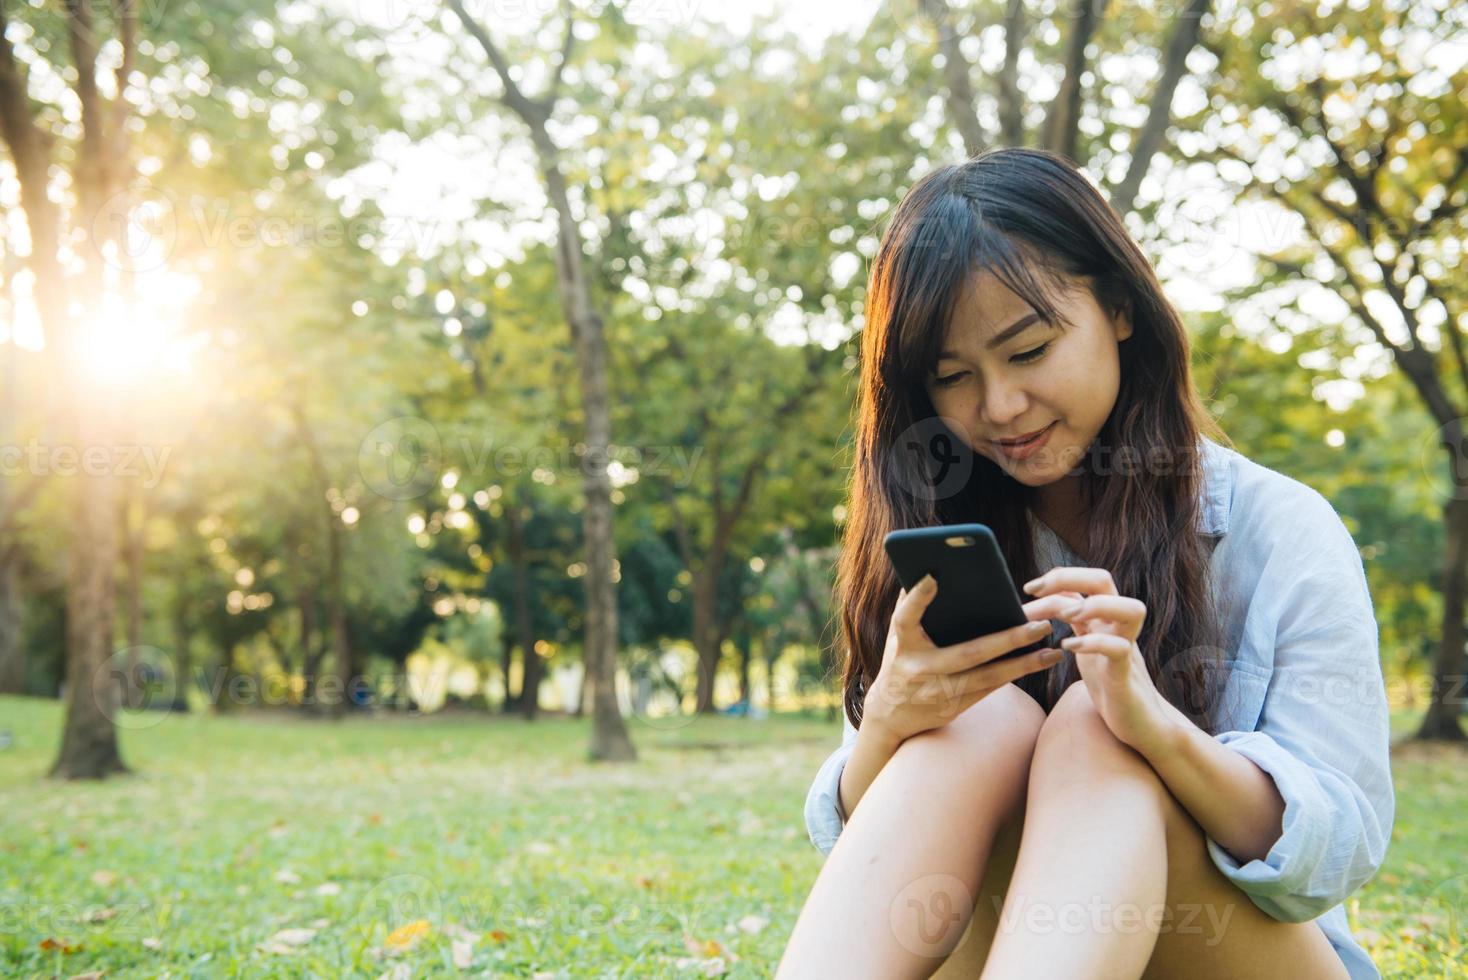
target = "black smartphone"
x: 976, y: 595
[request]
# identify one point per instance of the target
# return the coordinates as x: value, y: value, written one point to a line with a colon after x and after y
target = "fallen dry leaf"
x: 705, y: 948
x: 59, y: 945
x: 406, y: 937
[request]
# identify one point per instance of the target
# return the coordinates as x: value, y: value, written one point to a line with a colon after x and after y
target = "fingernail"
x: 1039, y: 626
x: 1031, y: 584
x: 1072, y: 610
x: 1070, y: 642
x: 1049, y: 656
x: 927, y: 584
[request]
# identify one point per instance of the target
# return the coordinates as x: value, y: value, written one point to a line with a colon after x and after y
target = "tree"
x: 1371, y: 160
x: 609, y: 740
x: 98, y: 173
x: 1061, y: 129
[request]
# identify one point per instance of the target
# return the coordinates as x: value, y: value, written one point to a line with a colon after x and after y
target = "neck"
x: 1060, y: 507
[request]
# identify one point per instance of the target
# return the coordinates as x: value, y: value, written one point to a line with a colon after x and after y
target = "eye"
x: 1031, y: 355
x: 950, y: 379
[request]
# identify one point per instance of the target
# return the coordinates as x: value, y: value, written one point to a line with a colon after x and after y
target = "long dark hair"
x: 1036, y: 223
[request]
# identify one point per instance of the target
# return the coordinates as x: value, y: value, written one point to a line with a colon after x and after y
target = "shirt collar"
x: 1215, y: 493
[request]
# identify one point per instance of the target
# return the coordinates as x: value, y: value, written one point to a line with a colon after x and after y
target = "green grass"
x: 505, y: 841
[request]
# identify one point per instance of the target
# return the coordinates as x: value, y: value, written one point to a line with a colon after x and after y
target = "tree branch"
x: 528, y: 109
x: 1186, y: 28
x: 1011, y: 101
x: 1062, y: 135
x: 566, y: 43
x: 956, y: 74
x: 30, y: 152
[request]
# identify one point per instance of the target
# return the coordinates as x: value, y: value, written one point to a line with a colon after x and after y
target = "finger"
x: 907, y: 620
x: 1091, y: 581
x: 982, y: 649
x: 1124, y: 613
x: 1048, y: 607
x: 1107, y: 644
x: 997, y: 675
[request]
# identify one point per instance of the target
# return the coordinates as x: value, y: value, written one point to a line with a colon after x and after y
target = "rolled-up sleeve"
x: 823, y: 816
x: 1323, y: 734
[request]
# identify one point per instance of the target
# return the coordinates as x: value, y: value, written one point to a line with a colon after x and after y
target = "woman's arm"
x: 1322, y: 734
x: 874, y: 748
x: 1234, y: 801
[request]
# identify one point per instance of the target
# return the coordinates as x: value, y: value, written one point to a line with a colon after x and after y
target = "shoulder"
x: 1287, y: 547
x: 1269, y: 507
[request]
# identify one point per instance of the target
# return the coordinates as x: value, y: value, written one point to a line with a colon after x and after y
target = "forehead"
x: 982, y: 308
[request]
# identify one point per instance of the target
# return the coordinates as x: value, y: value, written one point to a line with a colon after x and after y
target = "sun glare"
x: 129, y: 340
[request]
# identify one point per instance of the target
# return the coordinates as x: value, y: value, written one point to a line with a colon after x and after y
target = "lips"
x: 1024, y: 439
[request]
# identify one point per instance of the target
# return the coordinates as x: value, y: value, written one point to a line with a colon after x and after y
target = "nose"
x: 1003, y: 403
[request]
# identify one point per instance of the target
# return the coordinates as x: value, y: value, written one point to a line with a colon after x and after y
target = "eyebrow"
x: 1013, y: 330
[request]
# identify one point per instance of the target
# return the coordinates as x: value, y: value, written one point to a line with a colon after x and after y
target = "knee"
x: 991, y: 740
x: 1076, y: 740
x: 1075, y: 734
x: 1006, y: 722
x: 1075, y: 717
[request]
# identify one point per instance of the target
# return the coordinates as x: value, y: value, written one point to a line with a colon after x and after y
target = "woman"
x: 1201, y: 780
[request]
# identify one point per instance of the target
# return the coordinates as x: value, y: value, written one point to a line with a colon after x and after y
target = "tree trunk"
x: 333, y: 702
x: 132, y: 537
x: 89, y: 741
x: 12, y: 642
x: 223, y: 681
x: 746, y: 652
x: 182, y: 662
x: 609, y: 740
x: 705, y: 634
x: 1441, y: 721
x: 524, y: 628
x: 774, y: 644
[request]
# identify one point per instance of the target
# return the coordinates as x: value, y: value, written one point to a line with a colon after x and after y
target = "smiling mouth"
x: 1026, y: 440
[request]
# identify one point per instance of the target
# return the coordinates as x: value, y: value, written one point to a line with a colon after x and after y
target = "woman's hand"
x: 1106, y: 627
x: 921, y: 686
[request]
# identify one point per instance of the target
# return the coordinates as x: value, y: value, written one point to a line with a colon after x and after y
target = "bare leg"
x: 1094, y: 835
x: 1105, y: 848
x: 897, y: 891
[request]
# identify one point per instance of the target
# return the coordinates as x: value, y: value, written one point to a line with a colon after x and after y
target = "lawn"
x: 269, y: 845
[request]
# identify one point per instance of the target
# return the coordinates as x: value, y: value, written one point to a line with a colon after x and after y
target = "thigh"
x: 1022, y: 718
x: 1210, y: 930
x: 968, y: 958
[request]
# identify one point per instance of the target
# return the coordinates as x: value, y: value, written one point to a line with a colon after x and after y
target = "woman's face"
x: 995, y: 382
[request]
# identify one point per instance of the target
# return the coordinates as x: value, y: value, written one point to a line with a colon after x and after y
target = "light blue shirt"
x: 1304, y: 696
